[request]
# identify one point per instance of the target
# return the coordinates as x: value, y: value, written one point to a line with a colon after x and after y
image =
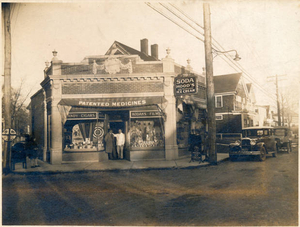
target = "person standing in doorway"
x: 109, y: 144
x: 120, y: 143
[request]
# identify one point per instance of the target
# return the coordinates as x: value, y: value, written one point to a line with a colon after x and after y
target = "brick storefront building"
x: 123, y: 89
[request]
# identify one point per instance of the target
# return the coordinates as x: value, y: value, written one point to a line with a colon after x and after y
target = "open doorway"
x: 115, y: 126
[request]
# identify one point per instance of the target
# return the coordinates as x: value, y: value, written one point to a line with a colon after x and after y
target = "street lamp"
x: 217, y: 52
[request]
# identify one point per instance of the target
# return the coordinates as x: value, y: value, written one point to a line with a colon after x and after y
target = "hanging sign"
x: 145, y: 114
x: 76, y: 116
x: 9, y: 134
x: 185, y: 85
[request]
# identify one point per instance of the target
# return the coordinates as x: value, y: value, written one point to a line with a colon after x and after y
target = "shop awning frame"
x: 118, y: 102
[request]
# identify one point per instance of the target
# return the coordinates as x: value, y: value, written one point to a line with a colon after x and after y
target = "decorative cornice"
x: 113, y: 79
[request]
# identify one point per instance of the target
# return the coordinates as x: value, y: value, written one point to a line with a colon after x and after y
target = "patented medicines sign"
x: 185, y: 85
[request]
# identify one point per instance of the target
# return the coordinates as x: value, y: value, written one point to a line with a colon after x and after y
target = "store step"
x: 84, y: 157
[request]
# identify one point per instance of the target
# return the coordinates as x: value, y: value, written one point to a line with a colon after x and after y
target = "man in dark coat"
x: 109, y: 144
x: 32, y: 152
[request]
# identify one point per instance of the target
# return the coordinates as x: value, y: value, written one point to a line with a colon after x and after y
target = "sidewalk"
x: 114, y: 165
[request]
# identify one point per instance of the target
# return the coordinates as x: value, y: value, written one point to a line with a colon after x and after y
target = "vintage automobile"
x: 18, y: 154
x: 257, y: 141
x: 283, y: 136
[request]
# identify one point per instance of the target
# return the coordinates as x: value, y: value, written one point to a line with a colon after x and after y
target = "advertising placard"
x: 185, y: 85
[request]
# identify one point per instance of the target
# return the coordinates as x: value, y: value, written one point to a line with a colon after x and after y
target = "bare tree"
x: 289, y: 100
x: 19, y: 112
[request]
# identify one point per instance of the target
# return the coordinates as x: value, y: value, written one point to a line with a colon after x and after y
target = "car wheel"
x: 263, y: 155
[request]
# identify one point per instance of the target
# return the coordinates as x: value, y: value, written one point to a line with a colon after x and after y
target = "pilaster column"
x: 56, y: 124
x: 45, y: 128
x: 171, y: 147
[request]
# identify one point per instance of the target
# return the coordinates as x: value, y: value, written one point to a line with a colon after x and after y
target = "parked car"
x: 20, y: 151
x: 283, y: 136
x: 256, y: 141
x: 18, y: 154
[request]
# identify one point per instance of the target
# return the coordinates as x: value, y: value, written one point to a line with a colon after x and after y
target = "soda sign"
x: 185, y: 85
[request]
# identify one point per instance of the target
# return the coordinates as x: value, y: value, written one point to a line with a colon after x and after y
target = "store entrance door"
x: 116, y: 125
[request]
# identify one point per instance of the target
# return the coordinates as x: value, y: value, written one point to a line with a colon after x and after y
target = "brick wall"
x: 108, y: 88
x: 37, y: 118
x: 67, y: 69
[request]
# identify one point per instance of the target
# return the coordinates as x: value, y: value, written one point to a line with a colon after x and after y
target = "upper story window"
x: 219, y: 101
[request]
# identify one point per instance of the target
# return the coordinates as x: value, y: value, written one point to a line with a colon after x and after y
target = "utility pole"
x: 278, y: 104
x: 277, y: 97
x: 210, y: 90
x: 7, y: 78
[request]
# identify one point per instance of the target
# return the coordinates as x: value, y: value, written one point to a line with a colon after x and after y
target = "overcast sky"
x: 265, y: 34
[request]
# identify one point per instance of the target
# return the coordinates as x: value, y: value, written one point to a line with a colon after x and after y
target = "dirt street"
x: 232, y: 193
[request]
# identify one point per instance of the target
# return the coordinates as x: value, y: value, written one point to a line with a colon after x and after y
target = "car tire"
x: 263, y: 154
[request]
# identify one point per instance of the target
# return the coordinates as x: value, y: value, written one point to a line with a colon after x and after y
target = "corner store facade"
x: 123, y: 89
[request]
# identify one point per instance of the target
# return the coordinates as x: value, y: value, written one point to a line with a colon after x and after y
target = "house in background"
x: 234, y: 104
x: 265, y: 115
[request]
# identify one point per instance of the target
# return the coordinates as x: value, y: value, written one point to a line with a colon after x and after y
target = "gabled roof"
x: 118, y: 48
x: 249, y: 86
x: 226, y: 83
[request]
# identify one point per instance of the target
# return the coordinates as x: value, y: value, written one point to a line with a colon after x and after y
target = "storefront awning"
x: 112, y: 102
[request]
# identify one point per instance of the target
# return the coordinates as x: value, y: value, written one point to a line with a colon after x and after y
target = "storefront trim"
x: 112, y: 102
x: 145, y: 114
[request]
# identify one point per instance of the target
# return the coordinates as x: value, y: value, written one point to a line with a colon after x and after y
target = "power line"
x: 218, y: 44
x: 160, y: 12
x: 246, y: 74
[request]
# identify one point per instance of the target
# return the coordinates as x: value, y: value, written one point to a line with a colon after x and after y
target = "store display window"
x: 183, y: 132
x: 85, y: 136
x: 146, y: 133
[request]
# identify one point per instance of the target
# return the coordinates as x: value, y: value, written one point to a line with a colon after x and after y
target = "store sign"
x: 9, y: 134
x: 113, y: 103
x: 73, y: 116
x: 145, y: 114
x: 185, y: 85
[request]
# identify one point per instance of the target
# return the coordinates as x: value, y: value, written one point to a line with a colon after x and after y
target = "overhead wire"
x: 252, y: 50
x: 231, y: 61
x: 160, y: 12
x: 216, y: 44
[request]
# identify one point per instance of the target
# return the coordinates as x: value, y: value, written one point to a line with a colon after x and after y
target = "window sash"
x: 219, y: 101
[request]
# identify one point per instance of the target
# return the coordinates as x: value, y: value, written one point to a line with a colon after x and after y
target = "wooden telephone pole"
x: 277, y: 97
x: 210, y: 90
x: 278, y: 104
x: 7, y: 78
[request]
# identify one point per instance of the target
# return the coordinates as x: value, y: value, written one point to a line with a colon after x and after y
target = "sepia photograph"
x: 150, y: 113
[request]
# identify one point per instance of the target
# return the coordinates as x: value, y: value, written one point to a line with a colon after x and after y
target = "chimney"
x: 154, y: 51
x: 144, y: 46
